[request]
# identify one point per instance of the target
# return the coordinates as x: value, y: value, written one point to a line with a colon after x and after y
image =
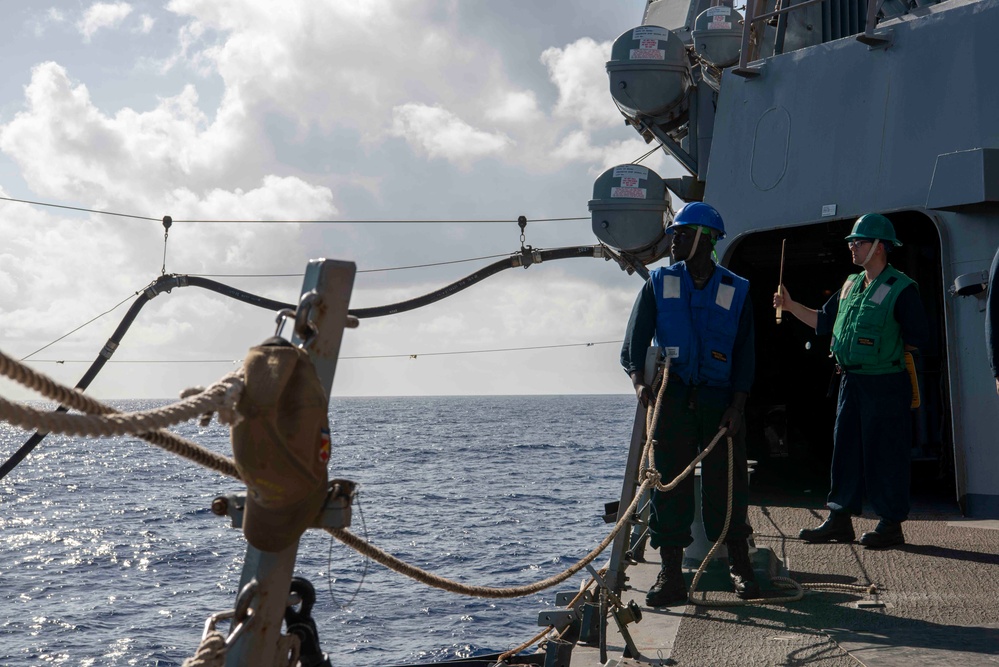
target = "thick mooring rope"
x: 210, y: 653
x: 212, y: 650
x: 542, y: 636
x: 220, y: 396
x: 436, y: 581
x: 101, y: 420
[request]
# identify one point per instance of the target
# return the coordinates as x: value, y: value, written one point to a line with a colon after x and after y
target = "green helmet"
x: 874, y: 226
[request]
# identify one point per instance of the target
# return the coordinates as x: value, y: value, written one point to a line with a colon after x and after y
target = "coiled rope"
x: 221, y: 396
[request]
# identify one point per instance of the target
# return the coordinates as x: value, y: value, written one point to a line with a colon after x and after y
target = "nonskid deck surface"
x: 939, y: 593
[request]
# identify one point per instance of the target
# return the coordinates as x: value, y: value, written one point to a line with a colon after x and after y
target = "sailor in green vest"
x: 874, y: 318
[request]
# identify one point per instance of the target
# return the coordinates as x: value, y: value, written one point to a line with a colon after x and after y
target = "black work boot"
x: 740, y: 568
x: 837, y: 528
x: 670, y: 588
x: 887, y: 534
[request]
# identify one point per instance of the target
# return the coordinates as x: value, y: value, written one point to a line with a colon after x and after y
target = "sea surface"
x: 110, y: 555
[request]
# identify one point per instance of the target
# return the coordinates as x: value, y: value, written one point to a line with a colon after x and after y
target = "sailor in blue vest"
x: 874, y: 318
x: 700, y: 314
x: 992, y: 319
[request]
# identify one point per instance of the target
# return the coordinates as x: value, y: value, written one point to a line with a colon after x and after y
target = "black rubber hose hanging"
x: 84, y: 382
x: 167, y: 283
x: 161, y: 284
x: 524, y: 259
x: 238, y: 294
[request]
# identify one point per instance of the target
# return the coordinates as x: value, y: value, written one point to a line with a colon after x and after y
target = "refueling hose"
x: 161, y: 284
x: 166, y: 283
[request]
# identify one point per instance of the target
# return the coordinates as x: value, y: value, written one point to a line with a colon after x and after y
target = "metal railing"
x: 755, y: 17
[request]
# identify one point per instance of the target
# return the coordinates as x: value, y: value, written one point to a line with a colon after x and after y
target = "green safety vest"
x: 866, y: 337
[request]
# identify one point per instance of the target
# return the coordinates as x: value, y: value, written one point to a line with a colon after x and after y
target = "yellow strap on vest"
x: 910, y: 367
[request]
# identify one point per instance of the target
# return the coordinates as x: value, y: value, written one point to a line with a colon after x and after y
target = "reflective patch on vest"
x: 862, y: 340
x: 719, y: 356
x: 880, y: 293
x: 671, y: 287
x: 845, y: 292
x: 724, y: 297
x: 672, y: 352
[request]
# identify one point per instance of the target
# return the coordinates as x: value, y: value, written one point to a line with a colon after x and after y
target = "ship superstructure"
x: 793, y: 120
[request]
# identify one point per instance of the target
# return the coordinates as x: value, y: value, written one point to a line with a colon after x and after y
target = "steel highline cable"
x: 305, y: 222
x: 381, y: 270
x: 411, y: 355
x: 326, y: 222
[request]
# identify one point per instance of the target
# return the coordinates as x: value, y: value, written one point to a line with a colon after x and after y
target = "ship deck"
x: 937, y: 601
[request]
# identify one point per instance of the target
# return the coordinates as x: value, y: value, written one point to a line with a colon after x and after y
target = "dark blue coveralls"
x: 689, y: 419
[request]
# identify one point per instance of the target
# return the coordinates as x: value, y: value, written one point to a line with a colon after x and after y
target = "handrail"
x: 785, y: 10
x: 749, y: 51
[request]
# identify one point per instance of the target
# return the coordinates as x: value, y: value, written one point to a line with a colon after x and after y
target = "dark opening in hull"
x: 792, y: 408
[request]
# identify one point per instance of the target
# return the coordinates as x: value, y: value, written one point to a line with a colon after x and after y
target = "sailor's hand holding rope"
x: 642, y: 390
x: 732, y: 417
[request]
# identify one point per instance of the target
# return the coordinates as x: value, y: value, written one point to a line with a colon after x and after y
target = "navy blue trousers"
x: 871, y: 445
x: 687, y: 423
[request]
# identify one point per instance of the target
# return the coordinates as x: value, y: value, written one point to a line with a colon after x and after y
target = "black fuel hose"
x: 525, y: 258
x: 166, y: 283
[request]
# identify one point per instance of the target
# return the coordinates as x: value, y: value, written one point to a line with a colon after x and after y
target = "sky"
x: 254, y: 110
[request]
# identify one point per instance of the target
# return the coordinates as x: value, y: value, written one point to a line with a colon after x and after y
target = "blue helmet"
x: 701, y: 214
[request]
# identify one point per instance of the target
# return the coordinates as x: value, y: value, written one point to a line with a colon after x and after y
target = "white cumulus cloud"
x: 440, y: 133
x: 67, y: 147
x: 515, y: 107
x: 578, y: 70
x: 102, y: 15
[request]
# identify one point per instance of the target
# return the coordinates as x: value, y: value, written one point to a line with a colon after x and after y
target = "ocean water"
x: 110, y: 554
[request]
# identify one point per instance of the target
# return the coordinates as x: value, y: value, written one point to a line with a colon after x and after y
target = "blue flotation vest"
x: 697, y: 327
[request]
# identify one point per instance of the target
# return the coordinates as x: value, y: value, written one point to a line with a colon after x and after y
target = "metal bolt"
x: 220, y: 506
